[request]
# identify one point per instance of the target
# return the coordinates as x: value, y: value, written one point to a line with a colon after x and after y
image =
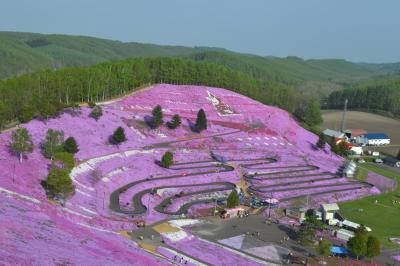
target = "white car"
x: 378, y: 160
x: 361, y: 161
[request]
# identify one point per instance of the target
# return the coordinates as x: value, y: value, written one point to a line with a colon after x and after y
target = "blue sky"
x: 357, y: 30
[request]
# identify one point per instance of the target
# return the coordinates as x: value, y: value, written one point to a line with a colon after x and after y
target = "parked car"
x: 361, y: 161
x: 378, y: 160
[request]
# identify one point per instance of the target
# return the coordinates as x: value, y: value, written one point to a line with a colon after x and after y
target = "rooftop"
x: 333, y: 133
x: 357, y: 132
x: 376, y: 136
x: 330, y: 207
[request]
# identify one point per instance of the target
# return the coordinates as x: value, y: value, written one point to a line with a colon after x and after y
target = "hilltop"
x: 116, y: 185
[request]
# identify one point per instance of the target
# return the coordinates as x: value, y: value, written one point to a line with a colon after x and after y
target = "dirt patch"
x: 165, y: 228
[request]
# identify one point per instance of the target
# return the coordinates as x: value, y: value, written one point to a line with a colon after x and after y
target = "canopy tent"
x: 339, y: 250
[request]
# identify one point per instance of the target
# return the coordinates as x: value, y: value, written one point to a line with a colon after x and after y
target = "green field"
x: 382, y: 217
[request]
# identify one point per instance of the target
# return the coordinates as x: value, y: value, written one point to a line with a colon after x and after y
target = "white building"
x: 344, y: 234
x: 328, y: 211
x: 376, y: 139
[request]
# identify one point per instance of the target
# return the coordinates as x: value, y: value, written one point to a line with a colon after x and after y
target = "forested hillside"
x: 44, y: 93
x: 290, y: 69
x: 379, y: 95
x: 27, y: 52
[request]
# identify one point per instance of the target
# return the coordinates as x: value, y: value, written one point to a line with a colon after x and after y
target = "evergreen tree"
x: 201, y: 121
x: 324, y: 247
x: 157, y: 116
x: 321, y: 141
x: 119, y: 136
x: 167, y: 160
x: 71, y: 146
x: 233, y: 199
x: 21, y: 142
x: 373, y: 247
x: 175, y: 122
x: 53, y: 143
x: 96, y: 112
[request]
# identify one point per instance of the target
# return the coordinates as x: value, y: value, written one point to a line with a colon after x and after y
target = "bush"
x: 201, y: 121
x: 119, y: 136
x: 324, y: 247
x: 175, y: 122
x: 167, y: 160
x: 96, y: 113
x: 233, y: 199
x: 91, y: 104
x: 157, y: 116
x: 373, y: 247
x: 66, y: 159
x: 321, y: 141
x: 59, y: 181
x: 71, y: 146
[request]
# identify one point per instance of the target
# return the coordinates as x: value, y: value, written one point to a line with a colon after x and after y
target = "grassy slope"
x: 383, y: 218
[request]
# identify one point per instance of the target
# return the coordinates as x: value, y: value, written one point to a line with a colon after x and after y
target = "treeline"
x: 44, y: 93
x: 378, y: 95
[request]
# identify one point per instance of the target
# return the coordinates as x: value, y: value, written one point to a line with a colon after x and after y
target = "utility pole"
x: 343, y: 127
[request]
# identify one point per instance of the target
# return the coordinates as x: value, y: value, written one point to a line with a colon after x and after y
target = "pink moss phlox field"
x: 383, y: 183
x: 86, y: 231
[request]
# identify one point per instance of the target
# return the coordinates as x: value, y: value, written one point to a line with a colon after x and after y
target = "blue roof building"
x: 376, y: 139
x: 376, y: 136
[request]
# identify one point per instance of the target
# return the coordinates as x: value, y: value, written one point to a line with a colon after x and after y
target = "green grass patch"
x: 382, y: 217
x: 362, y: 174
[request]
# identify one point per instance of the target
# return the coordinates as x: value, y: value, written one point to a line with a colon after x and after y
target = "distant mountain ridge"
x: 22, y: 52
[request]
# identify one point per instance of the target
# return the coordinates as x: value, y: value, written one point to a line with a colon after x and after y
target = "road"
x: 213, y: 167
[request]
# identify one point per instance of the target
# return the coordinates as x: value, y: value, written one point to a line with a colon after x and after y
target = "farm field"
x: 370, y: 122
x: 382, y: 217
x: 118, y: 186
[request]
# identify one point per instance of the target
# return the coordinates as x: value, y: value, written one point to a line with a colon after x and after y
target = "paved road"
x: 211, y: 167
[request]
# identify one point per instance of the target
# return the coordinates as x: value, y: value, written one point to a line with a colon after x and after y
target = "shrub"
x: 321, y: 141
x: 167, y: 160
x: 324, y: 247
x: 119, y: 136
x: 157, y: 116
x: 373, y: 247
x: 59, y: 181
x: 71, y: 146
x: 96, y: 113
x: 233, y: 199
x: 67, y: 159
x: 201, y: 121
x: 175, y: 122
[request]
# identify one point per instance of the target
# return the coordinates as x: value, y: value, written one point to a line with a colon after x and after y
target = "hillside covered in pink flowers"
x: 36, y: 231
